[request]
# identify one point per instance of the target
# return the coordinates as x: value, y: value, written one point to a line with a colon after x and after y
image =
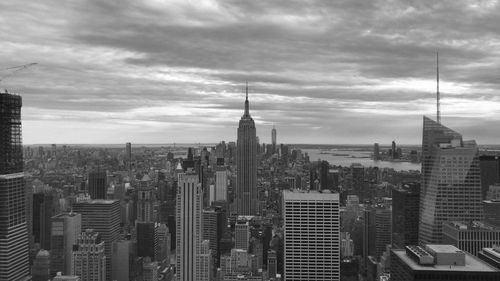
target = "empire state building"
x: 246, y: 159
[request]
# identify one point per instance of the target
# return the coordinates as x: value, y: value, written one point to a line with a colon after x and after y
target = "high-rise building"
x: 220, y: 183
x: 88, y: 260
x: 272, y: 264
x: 42, y: 212
x: 439, y: 262
x: 60, y: 277
x: 128, y: 155
x: 311, y: 236
x: 383, y: 228
x: 205, y: 263
x: 246, y: 182
x: 242, y: 234
x: 189, y: 225
x: 162, y: 241
x: 97, y: 185
x: 65, y: 229
x: 14, y: 259
x: 491, y: 255
x: 491, y: 210
x: 146, y: 201
x: 40, y: 270
x: 405, y: 204
x: 451, y: 182
x: 121, y: 257
x: 211, y: 229
x: 273, y: 139
x: 104, y: 217
x: 490, y: 172
x: 376, y: 152
x: 470, y: 236
x: 149, y: 270
x: 146, y: 239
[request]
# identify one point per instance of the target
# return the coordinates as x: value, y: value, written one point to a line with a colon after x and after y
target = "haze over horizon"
x: 157, y: 71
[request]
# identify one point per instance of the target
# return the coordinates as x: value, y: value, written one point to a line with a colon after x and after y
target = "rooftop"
x: 472, y: 263
x: 309, y: 195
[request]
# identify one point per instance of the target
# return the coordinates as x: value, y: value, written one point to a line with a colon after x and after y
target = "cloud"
x: 350, y: 71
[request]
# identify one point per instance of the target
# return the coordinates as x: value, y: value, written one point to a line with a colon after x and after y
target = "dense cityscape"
x: 208, y: 140
x: 246, y: 210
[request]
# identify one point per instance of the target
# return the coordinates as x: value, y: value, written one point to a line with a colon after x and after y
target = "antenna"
x: 437, y: 89
x: 247, y: 90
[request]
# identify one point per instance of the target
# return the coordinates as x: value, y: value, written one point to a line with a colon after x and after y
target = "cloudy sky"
x: 156, y: 71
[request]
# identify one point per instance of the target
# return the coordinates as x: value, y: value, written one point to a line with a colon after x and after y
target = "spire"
x: 247, y: 111
x: 438, y: 111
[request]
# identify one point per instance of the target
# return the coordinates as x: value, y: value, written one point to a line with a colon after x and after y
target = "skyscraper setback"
x: 246, y: 186
x: 14, y: 263
x: 451, y: 184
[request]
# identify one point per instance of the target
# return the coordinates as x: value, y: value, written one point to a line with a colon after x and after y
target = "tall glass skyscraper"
x: 246, y: 159
x: 451, y: 183
x: 14, y: 261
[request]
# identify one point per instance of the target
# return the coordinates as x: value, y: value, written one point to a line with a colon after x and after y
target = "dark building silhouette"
x: 14, y: 258
x: 490, y: 172
x: 146, y: 239
x: 405, y: 204
x: 42, y: 213
x: 97, y: 185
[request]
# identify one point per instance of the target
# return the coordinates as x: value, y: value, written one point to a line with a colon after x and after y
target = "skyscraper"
x: 65, y: 229
x: 88, y: 260
x: 97, y: 185
x: 189, y: 227
x: 405, y: 204
x: 246, y: 185
x: 145, y: 201
x: 273, y: 139
x: 242, y: 235
x: 451, y: 183
x: 14, y: 258
x: 104, y: 217
x: 311, y: 236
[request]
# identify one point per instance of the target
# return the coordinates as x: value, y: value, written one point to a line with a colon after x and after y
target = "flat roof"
x: 99, y: 201
x: 472, y: 263
x: 311, y: 195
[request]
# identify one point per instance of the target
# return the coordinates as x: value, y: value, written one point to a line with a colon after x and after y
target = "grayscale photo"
x: 250, y: 140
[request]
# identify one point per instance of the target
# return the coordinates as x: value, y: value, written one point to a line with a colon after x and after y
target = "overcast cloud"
x: 352, y: 71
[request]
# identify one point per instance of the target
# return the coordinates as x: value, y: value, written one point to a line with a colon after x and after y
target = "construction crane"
x: 16, y: 69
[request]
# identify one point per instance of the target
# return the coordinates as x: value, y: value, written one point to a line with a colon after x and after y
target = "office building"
x: 470, y: 236
x: 128, y: 155
x: 272, y: 264
x: 211, y: 229
x: 246, y: 164
x: 273, y: 139
x: 405, y: 204
x: 146, y: 239
x: 242, y: 234
x: 205, y: 263
x: 491, y: 255
x: 13, y: 226
x: 121, y: 256
x: 238, y: 262
x: 376, y: 152
x: 162, y: 241
x: 42, y: 212
x: 149, y: 270
x: 146, y: 200
x: 104, y: 217
x: 346, y: 245
x: 220, y: 183
x: 40, y: 270
x: 383, y: 228
x: 451, y: 182
x: 491, y: 210
x: 490, y: 172
x: 98, y: 184
x: 439, y: 262
x: 311, y: 235
x: 65, y: 229
x: 88, y: 260
x: 189, y: 225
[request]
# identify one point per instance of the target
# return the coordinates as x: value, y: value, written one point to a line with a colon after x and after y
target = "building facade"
x: 451, y: 182
x: 470, y: 237
x: 189, y: 225
x: 88, y: 260
x: 14, y: 259
x: 405, y: 204
x: 246, y: 164
x: 311, y: 236
x: 65, y: 229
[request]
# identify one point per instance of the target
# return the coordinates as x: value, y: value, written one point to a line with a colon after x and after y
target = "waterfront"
x: 345, y: 157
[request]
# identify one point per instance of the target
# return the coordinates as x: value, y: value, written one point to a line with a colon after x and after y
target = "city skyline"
x: 164, y: 72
